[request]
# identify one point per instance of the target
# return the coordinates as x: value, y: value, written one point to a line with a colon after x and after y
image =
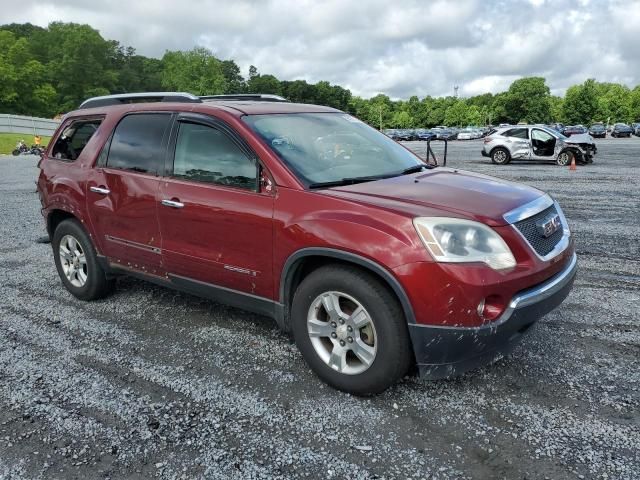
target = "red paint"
x: 255, y: 233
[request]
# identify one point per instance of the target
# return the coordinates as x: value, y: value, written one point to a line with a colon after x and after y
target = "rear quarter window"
x: 74, y: 137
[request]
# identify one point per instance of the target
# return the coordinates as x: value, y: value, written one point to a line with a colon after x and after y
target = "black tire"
x: 564, y: 158
x: 97, y: 284
x: 500, y: 156
x: 16, y: 152
x: 394, y: 354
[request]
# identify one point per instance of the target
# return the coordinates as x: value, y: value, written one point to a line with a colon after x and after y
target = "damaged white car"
x: 535, y: 142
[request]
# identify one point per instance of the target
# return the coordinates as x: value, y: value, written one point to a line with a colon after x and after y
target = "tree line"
x: 48, y: 71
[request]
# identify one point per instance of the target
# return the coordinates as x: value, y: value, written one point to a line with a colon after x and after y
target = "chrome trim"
x: 560, y: 246
x: 528, y: 209
x: 544, y: 290
x: 129, y: 243
x: 246, y: 271
x: 100, y: 190
x: 172, y: 203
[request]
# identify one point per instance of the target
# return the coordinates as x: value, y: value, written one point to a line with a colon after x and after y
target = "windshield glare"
x: 330, y: 147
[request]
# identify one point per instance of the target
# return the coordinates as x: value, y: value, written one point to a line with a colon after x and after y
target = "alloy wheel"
x: 342, y: 333
x: 73, y: 261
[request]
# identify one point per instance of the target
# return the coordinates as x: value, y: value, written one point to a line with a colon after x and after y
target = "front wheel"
x: 564, y: 158
x: 77, y: 262
x: 16, y: 152
x: 350, y: 330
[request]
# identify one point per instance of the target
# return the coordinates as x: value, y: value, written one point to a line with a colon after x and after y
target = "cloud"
x: 398, y: 48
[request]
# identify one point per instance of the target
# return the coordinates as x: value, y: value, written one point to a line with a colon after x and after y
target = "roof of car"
x: 258, y: 108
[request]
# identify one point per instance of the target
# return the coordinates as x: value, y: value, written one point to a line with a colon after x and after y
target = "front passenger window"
x: 205, y: 154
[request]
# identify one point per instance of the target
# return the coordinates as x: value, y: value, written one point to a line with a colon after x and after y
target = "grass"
x: 8, y: 141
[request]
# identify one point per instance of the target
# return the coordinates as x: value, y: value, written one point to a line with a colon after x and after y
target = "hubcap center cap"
x: 342, y: 332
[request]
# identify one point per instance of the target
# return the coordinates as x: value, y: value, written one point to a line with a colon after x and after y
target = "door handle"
x: 100, y: 190
x: 172, y: 203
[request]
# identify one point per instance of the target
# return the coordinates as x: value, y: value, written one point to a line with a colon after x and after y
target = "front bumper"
x: 484, y: 153
x: 448, y: 351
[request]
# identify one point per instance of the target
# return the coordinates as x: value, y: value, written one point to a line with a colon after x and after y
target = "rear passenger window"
x: 74, y: 138
x: 205, y: 154
x: 517, y: 133
x: 137, y: 143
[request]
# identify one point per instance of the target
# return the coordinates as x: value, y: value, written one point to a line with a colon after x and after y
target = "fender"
x: 288, y: 271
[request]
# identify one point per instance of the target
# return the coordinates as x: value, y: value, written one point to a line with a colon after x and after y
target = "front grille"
x: 529, y: 229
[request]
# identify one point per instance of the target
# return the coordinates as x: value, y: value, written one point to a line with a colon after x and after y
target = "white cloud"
x: 402, y: 48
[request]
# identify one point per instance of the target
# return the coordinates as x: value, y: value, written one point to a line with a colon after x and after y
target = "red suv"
x: 374, y: 260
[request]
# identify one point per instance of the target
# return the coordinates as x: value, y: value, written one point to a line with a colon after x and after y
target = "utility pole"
x: 455, y: 91
x: 380, y: 117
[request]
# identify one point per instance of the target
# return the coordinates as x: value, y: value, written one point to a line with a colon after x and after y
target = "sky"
x: 400, y: 48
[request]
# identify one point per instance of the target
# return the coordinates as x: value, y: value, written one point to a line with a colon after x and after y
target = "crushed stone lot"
x: 151, y: 383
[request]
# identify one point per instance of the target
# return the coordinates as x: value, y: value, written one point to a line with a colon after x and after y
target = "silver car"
x: 536, y: 142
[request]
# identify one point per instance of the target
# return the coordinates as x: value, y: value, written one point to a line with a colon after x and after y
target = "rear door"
x: 122, y: 191
x: 215, y: 221
x: 518, y: 142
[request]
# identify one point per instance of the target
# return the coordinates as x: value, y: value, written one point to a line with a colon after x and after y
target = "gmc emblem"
x: 549, y: 225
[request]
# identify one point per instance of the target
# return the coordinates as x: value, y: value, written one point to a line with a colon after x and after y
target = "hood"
x: 580, y: 138
x: 443, y: 192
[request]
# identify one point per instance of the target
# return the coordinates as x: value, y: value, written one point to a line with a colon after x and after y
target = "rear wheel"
x: 350, y: 330
x: 77, y: 262
x: 500, y: 156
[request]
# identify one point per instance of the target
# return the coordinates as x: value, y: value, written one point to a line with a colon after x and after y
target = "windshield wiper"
x: 414, y: 168
x: 349, y: 181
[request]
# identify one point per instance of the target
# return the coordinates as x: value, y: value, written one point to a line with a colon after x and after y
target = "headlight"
x: 463, y: 241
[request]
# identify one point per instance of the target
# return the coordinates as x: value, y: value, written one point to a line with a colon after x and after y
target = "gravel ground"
x: 154, y: 383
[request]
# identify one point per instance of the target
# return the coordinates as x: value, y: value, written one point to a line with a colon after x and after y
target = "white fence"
x: 27, y: 125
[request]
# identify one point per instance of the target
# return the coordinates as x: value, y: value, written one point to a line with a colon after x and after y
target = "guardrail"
x: 27, y: 125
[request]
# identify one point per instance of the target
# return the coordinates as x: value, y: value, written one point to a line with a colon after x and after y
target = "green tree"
x: 528, y: 100
x: 235, y: 81
x: 196, y: 71
x: 402, y: 119
x: 264, y: 84
x: 456, y: 114
x: 580, y: 104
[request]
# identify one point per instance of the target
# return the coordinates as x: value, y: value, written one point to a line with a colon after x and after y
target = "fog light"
x: 491, y: 307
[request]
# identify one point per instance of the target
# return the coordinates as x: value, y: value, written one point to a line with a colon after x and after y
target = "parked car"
x: 621, y: 130
x: 371, y: 258
x: 444, y: 133
x: 405, y: 135
x: 469, y: 134
x: 574, y: 130
x: 559, y: 127
x: 424, y: 134
x: 391, y: 133
x: 532, y: 142
x: 597, y: 130
x: 635, y: 127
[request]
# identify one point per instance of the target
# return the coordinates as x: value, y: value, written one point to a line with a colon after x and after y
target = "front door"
x: 215, y: 222
x: 122, y: 192
x: 543, y: 144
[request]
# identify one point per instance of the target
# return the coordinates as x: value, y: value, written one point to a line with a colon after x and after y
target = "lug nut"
x: 349, y: 328
x: 333, y: 324
x: 333, y: 335
x: 350, y: 340
x: 341, y: 321
x: 342, y: 343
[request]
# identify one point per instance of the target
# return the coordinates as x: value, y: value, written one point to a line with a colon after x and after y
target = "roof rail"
x: 247, y: 97
x: 150, y: 97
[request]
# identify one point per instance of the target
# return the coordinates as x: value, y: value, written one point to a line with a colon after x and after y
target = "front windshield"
x: 331, y: 147
x: 554, y: 132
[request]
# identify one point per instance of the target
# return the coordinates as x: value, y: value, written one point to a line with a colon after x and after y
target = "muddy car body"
x: 374, y: 260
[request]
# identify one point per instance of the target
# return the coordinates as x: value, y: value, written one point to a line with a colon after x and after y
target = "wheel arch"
x: 304, y: 261
x: 57, y: 216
